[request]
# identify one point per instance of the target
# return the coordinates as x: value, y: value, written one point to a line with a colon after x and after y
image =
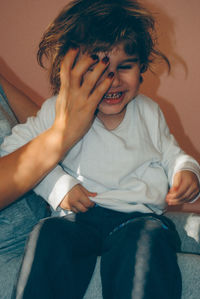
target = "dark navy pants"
x: 138, y: 257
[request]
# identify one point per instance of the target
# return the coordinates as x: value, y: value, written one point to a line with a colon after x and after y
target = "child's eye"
x: 125, y: 67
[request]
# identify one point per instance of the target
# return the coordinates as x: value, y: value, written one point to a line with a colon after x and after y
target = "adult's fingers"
x: 83, y: 63
x: 100, y: 90
x: 91, y: 77
x: 66, y: 66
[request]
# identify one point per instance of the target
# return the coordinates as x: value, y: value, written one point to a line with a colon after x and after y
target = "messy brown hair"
x: 97, y: 26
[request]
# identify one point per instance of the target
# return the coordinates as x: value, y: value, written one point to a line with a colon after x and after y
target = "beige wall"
x: 23, y: 21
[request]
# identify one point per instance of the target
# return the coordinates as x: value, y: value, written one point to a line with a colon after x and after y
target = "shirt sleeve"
x: 55, y: 186
x: 174, y: 158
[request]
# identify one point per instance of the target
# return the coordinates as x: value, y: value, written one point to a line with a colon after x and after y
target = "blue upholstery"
x: 17, y: 220
x: 7, y: 118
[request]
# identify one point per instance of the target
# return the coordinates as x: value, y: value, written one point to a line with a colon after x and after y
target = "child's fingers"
x: 180, y: 193
x: 92, y: 194
x: 176, y: 182
x: 175, y: 202
x: 73, y: 209
x: 86, y: 202
x: 87, y: 192
x: 179, y: 188
x: 193, y: 194
x: 175, y: 199
x: 83, y: 204
x: 186, y: 196
x: 178, y: 196
x: 187, y: 191
x: 80, y: 207
x: 185, y: 188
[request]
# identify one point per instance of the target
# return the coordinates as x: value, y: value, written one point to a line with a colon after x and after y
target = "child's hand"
x: 185, y: 188
x: 79, y: 95
x: 77, y: 199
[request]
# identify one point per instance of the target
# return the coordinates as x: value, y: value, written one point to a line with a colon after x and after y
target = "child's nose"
x: 116, y: 81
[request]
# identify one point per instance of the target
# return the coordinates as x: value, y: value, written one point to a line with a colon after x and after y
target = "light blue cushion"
x: 190, y: 269
x: 17, y: 220
x: 188, y: 228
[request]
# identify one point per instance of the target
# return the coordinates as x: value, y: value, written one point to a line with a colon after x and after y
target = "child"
x: 115, y: 179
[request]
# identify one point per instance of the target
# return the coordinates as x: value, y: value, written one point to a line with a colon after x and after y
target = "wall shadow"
x: 11, y: 76
x: 166, y: 43
x: 150, y: 87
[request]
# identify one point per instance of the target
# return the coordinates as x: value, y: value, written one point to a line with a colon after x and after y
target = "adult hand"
x: 79, y: 95
x: 76, y: 104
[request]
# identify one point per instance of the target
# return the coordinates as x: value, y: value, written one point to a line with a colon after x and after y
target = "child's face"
x: 124, y: 87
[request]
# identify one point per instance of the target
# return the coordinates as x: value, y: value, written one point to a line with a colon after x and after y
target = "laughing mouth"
x: 115, y: 95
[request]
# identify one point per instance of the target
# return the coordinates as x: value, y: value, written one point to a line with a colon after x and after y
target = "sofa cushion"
x: 188, y: 227
x: 190, y: 268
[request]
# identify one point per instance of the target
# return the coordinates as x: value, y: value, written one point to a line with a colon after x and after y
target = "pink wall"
x: 22, y: 23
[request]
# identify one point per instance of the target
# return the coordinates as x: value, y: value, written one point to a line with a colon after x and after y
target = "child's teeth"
x: 113, y: 95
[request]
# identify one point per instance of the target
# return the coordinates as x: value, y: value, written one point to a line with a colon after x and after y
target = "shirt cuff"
x: 64, y: 184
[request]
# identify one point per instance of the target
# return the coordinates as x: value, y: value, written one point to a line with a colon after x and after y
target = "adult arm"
x: 75, y: 109
x: 20, y: 103
x: 22, y: 169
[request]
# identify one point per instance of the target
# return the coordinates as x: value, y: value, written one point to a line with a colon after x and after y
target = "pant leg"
x: 16, y: 222
x: 139, y: 262
x: 59, y: 261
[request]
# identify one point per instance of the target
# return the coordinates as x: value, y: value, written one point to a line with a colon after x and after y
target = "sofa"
x: 187, y: 224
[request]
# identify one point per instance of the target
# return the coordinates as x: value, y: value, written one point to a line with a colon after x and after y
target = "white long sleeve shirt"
x: 130, y: 167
